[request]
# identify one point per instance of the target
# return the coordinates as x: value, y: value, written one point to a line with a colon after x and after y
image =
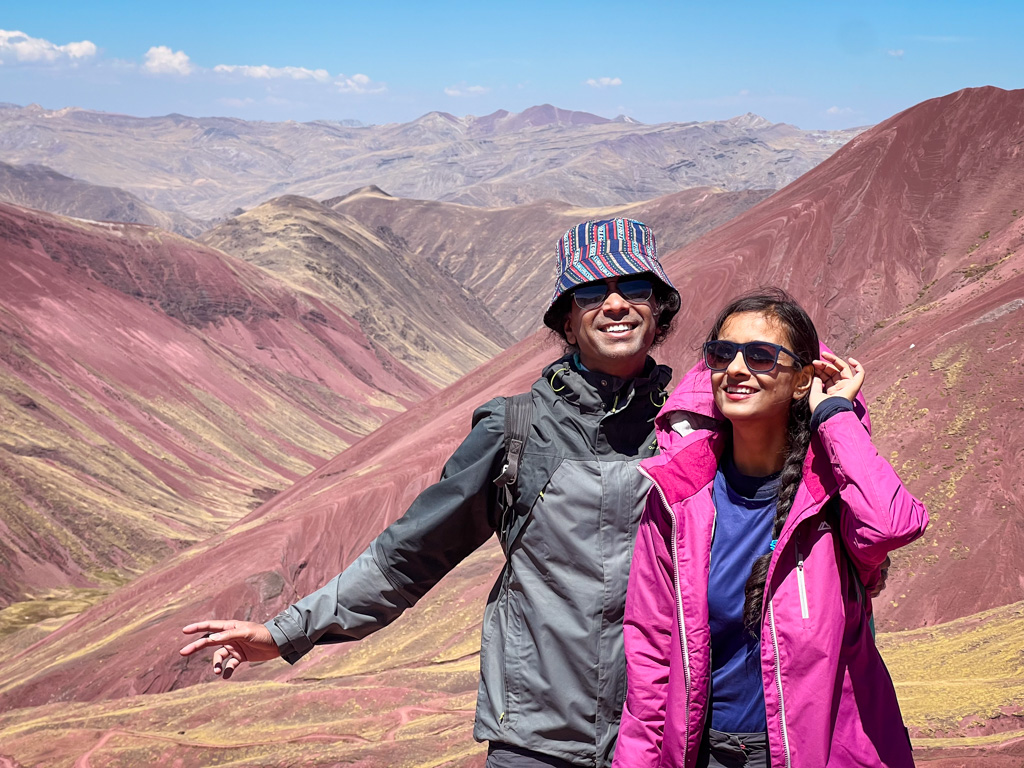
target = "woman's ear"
x: 804, y: 379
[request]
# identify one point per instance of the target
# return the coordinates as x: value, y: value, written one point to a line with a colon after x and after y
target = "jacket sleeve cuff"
x: 291, y: 641
x: 828, y: 408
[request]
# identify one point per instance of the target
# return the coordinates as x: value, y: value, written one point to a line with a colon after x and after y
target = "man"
x: 552, y: 669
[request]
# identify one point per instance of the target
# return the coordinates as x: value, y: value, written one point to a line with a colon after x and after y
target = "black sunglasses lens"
x: 760, y: 357
x: 636, y: 290
x: 590, y: 295
x: 718, y: 354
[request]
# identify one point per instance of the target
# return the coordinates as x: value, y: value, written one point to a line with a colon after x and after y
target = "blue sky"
x: 817, y: 65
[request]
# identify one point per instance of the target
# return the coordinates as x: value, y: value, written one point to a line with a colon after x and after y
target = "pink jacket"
x: 828, y: 696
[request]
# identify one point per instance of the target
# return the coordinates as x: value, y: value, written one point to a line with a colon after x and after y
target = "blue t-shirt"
x: 744, y: 511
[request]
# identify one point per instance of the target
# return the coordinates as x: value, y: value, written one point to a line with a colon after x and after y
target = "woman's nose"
x: 738, y: 365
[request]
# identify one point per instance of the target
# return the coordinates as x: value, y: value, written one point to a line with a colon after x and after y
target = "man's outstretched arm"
x: 445, y: 523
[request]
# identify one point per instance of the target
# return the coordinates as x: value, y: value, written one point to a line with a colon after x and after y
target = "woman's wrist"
x: 828, y: 408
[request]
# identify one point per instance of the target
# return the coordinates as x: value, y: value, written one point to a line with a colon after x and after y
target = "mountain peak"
x: 750, y: 121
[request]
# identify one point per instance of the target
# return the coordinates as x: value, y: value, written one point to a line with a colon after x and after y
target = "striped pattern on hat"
x: 595, y: 250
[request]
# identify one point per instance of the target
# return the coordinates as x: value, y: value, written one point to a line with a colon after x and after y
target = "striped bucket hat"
x: 595, y: 250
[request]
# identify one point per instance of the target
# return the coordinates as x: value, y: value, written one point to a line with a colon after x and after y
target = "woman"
x: 747, y: 622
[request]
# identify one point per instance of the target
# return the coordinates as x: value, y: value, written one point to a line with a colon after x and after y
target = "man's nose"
x: 615, y: 301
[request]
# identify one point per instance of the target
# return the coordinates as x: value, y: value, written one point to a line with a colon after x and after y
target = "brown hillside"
x: 35, y: 186
x: 403, y: 303
x: 506, y: 255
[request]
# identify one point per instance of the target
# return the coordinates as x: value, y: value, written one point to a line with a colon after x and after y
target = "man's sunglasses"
x: 760, y: 356
x: 634, y: 291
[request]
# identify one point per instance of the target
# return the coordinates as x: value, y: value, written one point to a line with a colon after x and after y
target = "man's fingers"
x: 213, y: 625
x: 226, y: 660
x: 225, y: 635
x: 229, y: 668
x: 220, y: 657
x: 203, y: 642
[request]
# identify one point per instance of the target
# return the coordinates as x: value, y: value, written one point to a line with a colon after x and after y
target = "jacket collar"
x: 593, y: 391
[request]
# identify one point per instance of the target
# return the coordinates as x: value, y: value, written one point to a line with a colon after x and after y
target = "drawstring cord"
x: 664, y: 399
x: 552, y: 382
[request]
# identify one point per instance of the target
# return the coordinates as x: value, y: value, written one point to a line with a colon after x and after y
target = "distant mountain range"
x: 36, y: 186
x: 907, y: 247
x: 207, y: 168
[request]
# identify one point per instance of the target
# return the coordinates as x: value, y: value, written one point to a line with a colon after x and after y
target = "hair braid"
x: 799, y: 434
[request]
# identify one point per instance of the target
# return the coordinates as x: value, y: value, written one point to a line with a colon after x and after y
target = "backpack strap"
x: 518, y: 418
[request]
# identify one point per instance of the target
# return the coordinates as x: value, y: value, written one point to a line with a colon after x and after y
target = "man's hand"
x: 881, y: 581
x: 238, y: 640
x: 833, y: 377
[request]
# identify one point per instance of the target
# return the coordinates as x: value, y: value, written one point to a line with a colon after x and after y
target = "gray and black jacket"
x: 552, y: 667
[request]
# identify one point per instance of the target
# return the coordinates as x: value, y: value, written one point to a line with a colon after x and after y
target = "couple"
x: 745, y: 632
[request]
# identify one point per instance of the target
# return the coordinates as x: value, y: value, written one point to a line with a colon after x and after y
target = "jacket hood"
x: 691, y: 407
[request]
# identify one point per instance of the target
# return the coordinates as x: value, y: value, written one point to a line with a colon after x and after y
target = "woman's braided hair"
x: 776, y: 304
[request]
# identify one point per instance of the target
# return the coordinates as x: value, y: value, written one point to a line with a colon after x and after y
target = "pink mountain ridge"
x: 906, y: 248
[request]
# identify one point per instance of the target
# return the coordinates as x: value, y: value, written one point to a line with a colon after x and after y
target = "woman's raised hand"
x: 834, y: 377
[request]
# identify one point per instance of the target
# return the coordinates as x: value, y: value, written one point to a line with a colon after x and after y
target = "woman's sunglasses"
x: 634, y: 291
x: 760, y: 356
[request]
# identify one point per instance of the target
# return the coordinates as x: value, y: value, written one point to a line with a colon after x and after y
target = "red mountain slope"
x: 887, y: 246
x: 911, y: 235
x: 152, y: 390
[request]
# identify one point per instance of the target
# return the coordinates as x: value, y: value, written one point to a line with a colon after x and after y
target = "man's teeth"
x: 616, y: 328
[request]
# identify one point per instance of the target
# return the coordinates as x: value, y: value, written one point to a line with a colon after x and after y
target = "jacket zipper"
x: 504, y: 651
x: 778, y: 684
x: 801, y: 585
x: 679, y: 612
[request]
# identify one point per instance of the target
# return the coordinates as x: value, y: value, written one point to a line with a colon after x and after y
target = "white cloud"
x: 358, y: 84
x: 19, y: 47
x: 743, y: 93
x: 604, y: 82
x: 895, y: 53
x: 264, y: 72
x: 836, y: 111
x: 466, y: 90
x: 161, y: 60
